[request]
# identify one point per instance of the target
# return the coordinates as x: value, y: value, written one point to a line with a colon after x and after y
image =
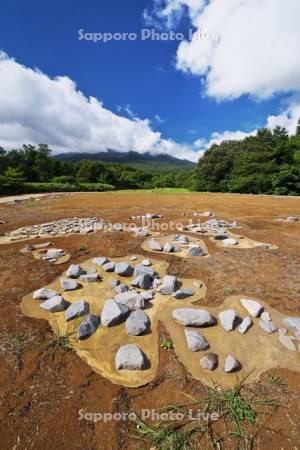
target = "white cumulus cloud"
x: 38, y: 109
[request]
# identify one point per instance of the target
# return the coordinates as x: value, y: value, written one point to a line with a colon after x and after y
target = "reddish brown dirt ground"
x: 40, y: 396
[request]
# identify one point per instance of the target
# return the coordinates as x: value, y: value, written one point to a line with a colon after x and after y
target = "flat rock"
x: 100, y: 261
x: 169, y: 284
x: 229, y: 241
x: 143, y: 281
x: 209, y: 362
x: 183, y: 293
x: 74, y: 271
x: 231, y: 364
x: 195, y: 341
x: 269, y: 326
x: 88, y: 326
x: 265, y: 316
x: 193, y: 317
x: 148, y: 295
x: 68, y: 284
x: 228, y: 319
x: 146, y: 262
x: 133, y: 258
x: 131, y: 299
x: 154, y: 245
x: 90, y: 277
x: 43, y: 294
x: 55, y: 304
x: 293, y: 323
x: 123, y: 269
x: 287, y: 342
x: 77, y: 309
x: 142, y: 269
x: 252, y: 306
x: 137, y: 323
x: 113, y: 313
x: 130, y: 357
x: 109, y: 267
x: 245, y: 325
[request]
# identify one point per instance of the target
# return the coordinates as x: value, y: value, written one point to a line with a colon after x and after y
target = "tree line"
x: 268, y: 163
x: 32, y: 169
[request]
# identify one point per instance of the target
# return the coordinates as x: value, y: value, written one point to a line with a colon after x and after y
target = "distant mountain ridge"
x: 131, y: 158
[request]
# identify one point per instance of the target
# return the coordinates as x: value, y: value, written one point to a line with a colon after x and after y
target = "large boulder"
x: 252, y: 306
x: 293, y: 323
x: 77, y: 309
x: 195, y: 341
x: 43, y: 294
x: 143, y: 281
x: 130, y: 357
x: 100, y: 261
x: 88, y: 326
x: 154, y: 245
x: 74, y: 271
x: 109, y: 267
x: 137, y: 323
x: 124, y: 269
x: 193, y: 317
x: 141, y: 269
x: 169, y: 284
x: 209, y: 362
x: 131, y: 299
x: 228, y: 319
x: 68, y: 284
x: 113, y: 313
x: 55, y: 304
x: 196, y: 251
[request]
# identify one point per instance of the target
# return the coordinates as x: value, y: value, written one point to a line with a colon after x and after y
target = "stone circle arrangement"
x: 179, y: 245
x: 110, y: 310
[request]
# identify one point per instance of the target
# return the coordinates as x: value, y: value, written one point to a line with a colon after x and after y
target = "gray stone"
x: 115, y: 283
x: 183, y: 293
x: 55, y: 304
x: 143, y: 281
x: 121, y: 288
x: 130, y: 357
x: 168, y: 248
x: 169, y: 284
x: 131, y: 299
x: 293, y: 323
x: 88, y: 326
x: 193, y: 317
x: 182, y: 239
x: 146, y: 262
x: 154, y: 245
x: 77, y: 309
x: 287, y: 342
x: 100, y: 261
x: 245, y: 325
x: 231, y: 364
x: 220, y: 237
x: 43, y: 294
x: 123, y: 269
x: 209, y: 362
x: 53, y: 253
x: 74, y: 271
x: 252, y: 306
x: 196, y: 251
x: 137, y: 323
x: 229, y: 242
x: 90, y: 277
x: 148, y: 295
x: 265, y: 316
x: 195, y: 341
x: 68, y: 284
x: 269, y: 326
x: 113, y: 313
x: 228, y: 319
x: 140, y: 269
x: 109, y: 267
x: 133, y: 258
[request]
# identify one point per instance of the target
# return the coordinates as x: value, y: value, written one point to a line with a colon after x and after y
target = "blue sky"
x: 138, y: 76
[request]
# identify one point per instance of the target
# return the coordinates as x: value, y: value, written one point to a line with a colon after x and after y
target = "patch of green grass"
x: 167, y: 345
x: 276, y: 381
x: 228, y: 289
x: 83, y: 247
x: 19, y: 339
x: 56, y: 342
